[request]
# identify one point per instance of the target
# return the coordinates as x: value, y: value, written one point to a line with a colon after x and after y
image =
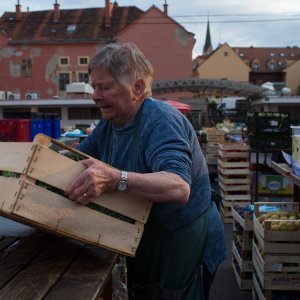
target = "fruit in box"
x: 281, y: 220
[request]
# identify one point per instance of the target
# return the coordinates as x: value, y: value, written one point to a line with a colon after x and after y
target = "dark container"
x: 268, y: 123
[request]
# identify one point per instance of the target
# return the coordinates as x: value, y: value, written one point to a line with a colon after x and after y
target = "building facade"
x: 43, y: 51
x: 252, y: 64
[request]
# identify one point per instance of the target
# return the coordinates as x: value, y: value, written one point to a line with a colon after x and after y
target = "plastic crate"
x: 269, y: 141
x: 268, y: 122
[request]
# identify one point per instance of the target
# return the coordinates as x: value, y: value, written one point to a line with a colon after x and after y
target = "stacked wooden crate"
x: 213, y: 137
x: 32, y: 182
x: 242, y: 246
x: 234, y: 177
x: 276, y: 251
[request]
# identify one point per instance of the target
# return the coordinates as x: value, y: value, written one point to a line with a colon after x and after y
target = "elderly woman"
x: 156, y: 155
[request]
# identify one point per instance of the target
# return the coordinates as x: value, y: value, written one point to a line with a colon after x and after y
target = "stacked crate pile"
x: 214, y: 136
x: 234, y: 177
x: 276, y: 250
x: 242, y: 246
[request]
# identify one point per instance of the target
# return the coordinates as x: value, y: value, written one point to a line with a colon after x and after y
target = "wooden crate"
x: 234, y: 172
x: 283, y: 263
x: 244, y: 239
x: 25, y: 200
x: 243, y: 279
x: 275, y: 280
x: 277, y: 242
x: 246, y: 222
x: 244, y: 264
x: 261, y: 294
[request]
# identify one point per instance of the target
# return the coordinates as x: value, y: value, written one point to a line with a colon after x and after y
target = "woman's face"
x: 117, y: 102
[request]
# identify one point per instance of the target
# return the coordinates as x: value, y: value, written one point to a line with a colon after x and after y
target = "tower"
x: 207, y: 48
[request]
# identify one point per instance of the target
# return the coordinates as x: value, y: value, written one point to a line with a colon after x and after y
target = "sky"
x: 257, y: 23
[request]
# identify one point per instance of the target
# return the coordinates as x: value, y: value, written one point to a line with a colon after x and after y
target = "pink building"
x: 42, y: 51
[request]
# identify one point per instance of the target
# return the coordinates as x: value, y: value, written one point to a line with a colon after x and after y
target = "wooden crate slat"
x: 226, y: 211
x: 244, y: 284
x: 246, y: 197
x: 226, y: 171
x: 233, y: 154
x: 230, y: 203
x: 238, y: 180
x: 234, y: 187
x: 9, y: 189
x: 233, y: 165
x: 15, y: 156
x: 245, y: 265
x: 258, y: 290
x: 233, y: 147
x: 59, y: 214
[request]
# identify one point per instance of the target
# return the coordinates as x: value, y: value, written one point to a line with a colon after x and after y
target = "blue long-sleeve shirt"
x: 167, y: 142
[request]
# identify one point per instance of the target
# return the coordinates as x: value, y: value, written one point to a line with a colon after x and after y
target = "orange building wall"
x: 219, y: 66
x: 293, y: 77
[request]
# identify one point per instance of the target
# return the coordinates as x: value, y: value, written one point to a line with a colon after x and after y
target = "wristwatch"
x: 122, y: 185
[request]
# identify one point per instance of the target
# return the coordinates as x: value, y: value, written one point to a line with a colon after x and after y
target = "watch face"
x: 122, y: 186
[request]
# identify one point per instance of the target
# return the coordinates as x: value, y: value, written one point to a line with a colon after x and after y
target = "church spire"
x: 208, y: 48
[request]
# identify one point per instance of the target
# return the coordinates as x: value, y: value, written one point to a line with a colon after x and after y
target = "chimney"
x: 108, y: 13
x: 18, y: 11
x: 166, y: 7
x: 56, y: 11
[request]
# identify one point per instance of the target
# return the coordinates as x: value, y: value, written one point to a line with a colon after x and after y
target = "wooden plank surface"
x: 16, y: 256
x: 34, y: 281
x: 86, y: 277
x: 9, y: 189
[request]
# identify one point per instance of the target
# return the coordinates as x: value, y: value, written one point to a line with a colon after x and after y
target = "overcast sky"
x: 258, y: 23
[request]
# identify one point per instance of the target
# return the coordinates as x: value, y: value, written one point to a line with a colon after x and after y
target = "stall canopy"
x: 182, y: 107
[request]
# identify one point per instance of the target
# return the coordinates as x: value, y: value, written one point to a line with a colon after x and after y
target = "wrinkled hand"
x: 94, y: 181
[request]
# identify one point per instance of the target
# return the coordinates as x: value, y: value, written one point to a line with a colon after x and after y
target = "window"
x: 71, y: 28
x: 79, y: 113
x: 64, y: 61
x: 26, y: 68
x: 83, y: 60
x: 272, y: 67
x: 83, y: 77
x: 54, y: 111
x: 255, y: 66
x: 63, y: 80
x: 225, y: 53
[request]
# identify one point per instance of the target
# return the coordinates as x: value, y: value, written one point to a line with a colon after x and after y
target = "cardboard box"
x: 274, y: 184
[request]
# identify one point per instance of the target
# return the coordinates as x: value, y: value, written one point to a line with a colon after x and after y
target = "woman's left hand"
x: 94, y: 181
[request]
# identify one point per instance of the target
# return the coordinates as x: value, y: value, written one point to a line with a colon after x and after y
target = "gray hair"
x: 126, y: 63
